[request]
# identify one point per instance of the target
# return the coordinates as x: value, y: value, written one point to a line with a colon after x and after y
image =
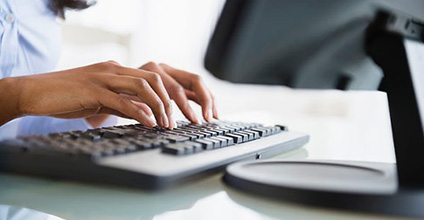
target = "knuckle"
x: 196, y: 78
x: 155, y: 78
x: 158, y: 104
x: 142, y: 83
x: 177, y: 89
x: 109, y: 65
x: 113, y: 62
x: 167, y: 104
x: 150, y: 64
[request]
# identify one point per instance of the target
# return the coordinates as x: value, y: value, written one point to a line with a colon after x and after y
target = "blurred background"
x: 134, y: 32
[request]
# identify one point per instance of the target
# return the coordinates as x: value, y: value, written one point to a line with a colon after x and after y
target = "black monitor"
x: 301, y: 44
x: 333, y: 44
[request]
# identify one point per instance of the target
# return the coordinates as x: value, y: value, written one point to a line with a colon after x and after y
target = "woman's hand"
x: 183, y: 86
x: 107, y: 88
x: 91, y: 90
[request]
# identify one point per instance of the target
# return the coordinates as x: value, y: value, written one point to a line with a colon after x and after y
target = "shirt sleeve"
x: 36, y: 125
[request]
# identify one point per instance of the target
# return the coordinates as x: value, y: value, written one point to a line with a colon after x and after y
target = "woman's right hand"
x: 103, y: 88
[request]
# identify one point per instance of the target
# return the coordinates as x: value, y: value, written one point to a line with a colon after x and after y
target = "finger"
x: 125, y: 106
x: 194, y: 83
x: 192, y: 96
x: 214, y: 109
x: 155, y: 82
x: 140, y: 88
x: 172, y: 123
x: 143, y: 107
x: 131, y: 97
x: 137, y: 101
x: 153, y: 67
x: 109, y: 111
x: 176, y: 92
x: 180, y: 98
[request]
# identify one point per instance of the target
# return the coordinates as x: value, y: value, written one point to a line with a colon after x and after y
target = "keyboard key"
x: 157, y: 142
x: 216, y: 143
x: 223, y: 141
x: 262, y: 132
x: 204, y: 134
x: 283, y: 128
x: 236, y: 138
x: 255, y: 134
x: 175, y: 138
x: 197, y: 147
x: 185, y: 148
x: 91, y: 137
x: 212, y: 133
x: 142, y: 144
x: 191, y: 136
x: 217, y: 131
x: 276, y: 130
x: 207, y: 145
x: 112, y: 134
x: 230, y: 141
x: 245, y: 136
x: 199, y: 135
x: 229, y: 129
x: 249, y: 135
x: 174, y: 149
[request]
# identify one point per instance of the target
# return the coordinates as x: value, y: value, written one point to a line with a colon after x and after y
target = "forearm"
x: 9, y: 97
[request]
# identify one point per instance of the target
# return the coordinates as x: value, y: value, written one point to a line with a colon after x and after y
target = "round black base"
x: 253, y: 176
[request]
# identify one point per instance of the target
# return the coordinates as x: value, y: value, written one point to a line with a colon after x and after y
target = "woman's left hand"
x: 181, y: 87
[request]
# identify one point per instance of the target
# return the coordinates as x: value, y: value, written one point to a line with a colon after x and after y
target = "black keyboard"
x: 143, y: 156
x: 186, y: 139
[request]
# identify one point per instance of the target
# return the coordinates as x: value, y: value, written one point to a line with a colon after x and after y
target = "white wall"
x: 169, y: 31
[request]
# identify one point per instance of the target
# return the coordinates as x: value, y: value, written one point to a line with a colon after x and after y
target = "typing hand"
x: 88, y: 91
x: 183, y: 86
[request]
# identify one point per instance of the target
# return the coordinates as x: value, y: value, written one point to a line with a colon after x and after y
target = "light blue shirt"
x: 30, y: 38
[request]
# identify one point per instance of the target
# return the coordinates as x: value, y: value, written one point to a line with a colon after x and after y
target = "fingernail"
x: 151, y: 122
x: 216, y: 116
x: 210, y: 114
x: 194, y: 117
x: 172, y: 123
x: 164, y: 121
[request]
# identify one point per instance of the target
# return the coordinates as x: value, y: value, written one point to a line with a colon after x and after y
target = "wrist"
x: 9, y: 99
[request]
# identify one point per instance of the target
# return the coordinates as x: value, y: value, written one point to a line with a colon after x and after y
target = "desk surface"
x: 345, y: 126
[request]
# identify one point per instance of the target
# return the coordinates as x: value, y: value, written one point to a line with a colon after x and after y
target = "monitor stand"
x: 354, y: 186
x: 395, y: 189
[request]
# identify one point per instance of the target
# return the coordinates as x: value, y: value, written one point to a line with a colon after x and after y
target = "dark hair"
x: 59, y: 6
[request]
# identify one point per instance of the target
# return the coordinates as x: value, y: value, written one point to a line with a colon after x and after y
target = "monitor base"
x: 355, y: 186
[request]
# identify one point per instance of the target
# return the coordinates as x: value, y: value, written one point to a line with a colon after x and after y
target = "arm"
x: 104, y: 88
x: 84, y: 92
x: 9, y: 93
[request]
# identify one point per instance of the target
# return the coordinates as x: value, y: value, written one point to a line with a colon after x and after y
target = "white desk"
x: 348, y: 126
